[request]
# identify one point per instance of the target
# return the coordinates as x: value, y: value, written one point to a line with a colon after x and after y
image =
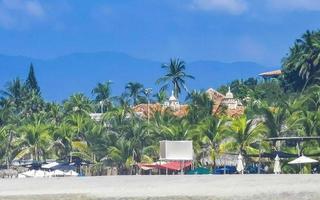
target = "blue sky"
x: 224, y: 30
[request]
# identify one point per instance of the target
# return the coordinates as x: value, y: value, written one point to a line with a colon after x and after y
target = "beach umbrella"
x: 303, y: 160
x: 277, y: 166
x: 240, y: 165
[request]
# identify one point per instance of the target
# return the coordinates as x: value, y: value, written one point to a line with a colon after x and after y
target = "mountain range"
x: 80, y: 72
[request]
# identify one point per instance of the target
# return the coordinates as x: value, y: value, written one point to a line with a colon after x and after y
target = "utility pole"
x: 148, y: 91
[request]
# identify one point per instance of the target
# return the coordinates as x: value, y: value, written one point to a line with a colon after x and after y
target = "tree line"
x: 31, y: 127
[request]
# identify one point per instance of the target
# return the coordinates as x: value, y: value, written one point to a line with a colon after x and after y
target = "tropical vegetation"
x: 289, y: 105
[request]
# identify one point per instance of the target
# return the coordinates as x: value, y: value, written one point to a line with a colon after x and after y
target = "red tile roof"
x: 214, y: 95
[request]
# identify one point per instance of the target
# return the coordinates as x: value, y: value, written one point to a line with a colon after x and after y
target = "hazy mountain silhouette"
x: 79, y: 72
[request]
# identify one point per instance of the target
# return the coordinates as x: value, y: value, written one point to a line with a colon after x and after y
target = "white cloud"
x: 234, y: 7
x: 19, y: 14
x: 291, y: 5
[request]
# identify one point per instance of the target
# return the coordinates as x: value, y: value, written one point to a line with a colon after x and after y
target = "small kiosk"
x: 181, y: 151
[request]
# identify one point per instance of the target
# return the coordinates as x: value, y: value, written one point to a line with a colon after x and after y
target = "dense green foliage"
x: 32, y: 128
x: 302, y: 64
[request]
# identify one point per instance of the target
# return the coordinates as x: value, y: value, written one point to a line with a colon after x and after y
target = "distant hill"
x: 79, y: 72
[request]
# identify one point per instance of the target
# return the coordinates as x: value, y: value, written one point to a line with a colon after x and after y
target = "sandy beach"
x: 165, y: 187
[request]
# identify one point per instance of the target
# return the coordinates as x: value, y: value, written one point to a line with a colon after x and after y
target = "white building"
x: 173, y: 102
x: 230, y: 101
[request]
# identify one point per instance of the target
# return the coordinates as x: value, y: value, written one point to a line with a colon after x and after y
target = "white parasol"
x: 277, y: 166
x: 240, y: 165
x: 303, y: 160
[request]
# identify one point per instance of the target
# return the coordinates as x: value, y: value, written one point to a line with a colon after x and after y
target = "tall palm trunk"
x: 8, y: 152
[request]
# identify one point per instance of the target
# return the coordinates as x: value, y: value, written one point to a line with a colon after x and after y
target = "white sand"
x: 160, y: 187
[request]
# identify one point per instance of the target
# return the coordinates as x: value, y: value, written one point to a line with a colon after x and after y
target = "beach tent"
x: 277, y: 166
x: 240, y: 165
x: 303, y: 160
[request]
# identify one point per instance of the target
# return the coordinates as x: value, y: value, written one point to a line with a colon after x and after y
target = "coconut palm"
x: 79, y: 123
x: 138, y: 136
x: 175, y: 75
x: 33, y: 103
x: 102, y: 93
x: 15, y: 92
x: 121, y: 155
x: 302, y: 65
x: 35, y: 141
x: 309, y: 123
x: 178, y: 129
x: 98, y: 138
x: 54, y: 113
x: 64, y: 134
x: 208, y: 135
x: 5, y: 145
x: 136, y: 92
x: 161, y: 97
x: 200, y: 106
x: 311, y: 99
x: 78, y: 103
x: 245, y: 135
x: 275, y: 120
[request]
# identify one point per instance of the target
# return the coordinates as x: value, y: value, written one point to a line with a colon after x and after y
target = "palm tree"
x: 78, y: 103
x: 79, y: 123
x: 161, y: 97
x: 64, y: 134
x: 15, y: 92
x: 176, y: 75
x: 6, y: 137
x: 36, y: 140
x: 302, y: 65
x: 138, y: 136
x: 309, y: 123
x: 200, y: 106
x: 98, y: 138
x: 178, y: 129
x: 245, y: 134
x: 275, y: 120
x: 3, y: 138
x: 311, y: 99
x: 121, y: 155
x: 54, y: 113
x: 7, y: 112
x: 33, y: 103
x: 135, y: 91
x: 102, y: 94
x: 207, y: 136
